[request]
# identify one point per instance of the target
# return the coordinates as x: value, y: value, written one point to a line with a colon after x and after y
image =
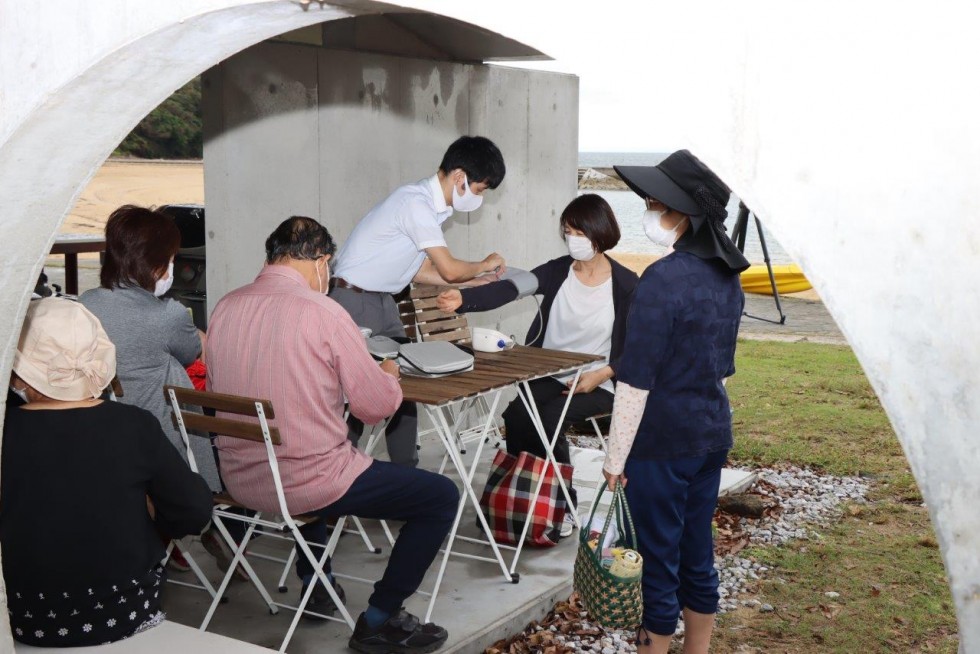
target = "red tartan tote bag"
x: 507, y: 497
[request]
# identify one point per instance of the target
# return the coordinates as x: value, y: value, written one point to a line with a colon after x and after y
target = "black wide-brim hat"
x: 683, y: 183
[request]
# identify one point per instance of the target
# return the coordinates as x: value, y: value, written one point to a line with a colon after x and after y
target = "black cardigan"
x: 74, y: 486
x: 551, y: 275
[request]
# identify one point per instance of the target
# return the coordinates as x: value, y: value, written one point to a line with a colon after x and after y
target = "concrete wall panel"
x: 499, y: 110
x: 384, y: 121
x: 261, y: 155
x: 552, y: 163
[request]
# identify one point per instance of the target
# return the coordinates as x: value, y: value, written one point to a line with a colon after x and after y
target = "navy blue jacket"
x: 551, y: 275
x: 680, y: 345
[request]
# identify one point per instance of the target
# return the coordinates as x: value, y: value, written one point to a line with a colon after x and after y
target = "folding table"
x: 449, y: 400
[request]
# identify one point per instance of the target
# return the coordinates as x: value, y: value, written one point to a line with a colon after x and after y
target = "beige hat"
x: 63, y: 351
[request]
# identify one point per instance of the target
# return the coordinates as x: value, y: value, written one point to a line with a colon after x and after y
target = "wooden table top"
x: 494, y: 370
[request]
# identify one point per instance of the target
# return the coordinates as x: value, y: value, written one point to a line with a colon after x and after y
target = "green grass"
x: 811, y: 405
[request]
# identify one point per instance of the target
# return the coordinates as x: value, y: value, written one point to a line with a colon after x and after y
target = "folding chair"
x: 115, y: 391
x: 255, y: 427
x: 424, y: 322
x: 373, y: 432
x: 598, y: 432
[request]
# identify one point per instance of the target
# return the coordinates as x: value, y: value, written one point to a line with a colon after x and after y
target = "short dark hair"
x: 479, y: 158
x: 593, y: 216
x: 139, y: 243
x: 298, y: 237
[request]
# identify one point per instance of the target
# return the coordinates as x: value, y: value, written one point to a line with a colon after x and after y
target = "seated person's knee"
x: 450, y: 495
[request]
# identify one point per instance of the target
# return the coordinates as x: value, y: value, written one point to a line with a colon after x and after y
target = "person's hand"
x: 495, y: 263
x: 449, y: 301
x: 611, y: 480
x: 588, y: 382
x: 390, y: 366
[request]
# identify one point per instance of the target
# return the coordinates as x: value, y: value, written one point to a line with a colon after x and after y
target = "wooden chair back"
x: 242, y: 406
x: 425, y: 322
x: 406, y: 311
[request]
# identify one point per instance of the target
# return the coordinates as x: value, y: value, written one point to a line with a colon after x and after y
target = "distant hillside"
x: 171, y: 131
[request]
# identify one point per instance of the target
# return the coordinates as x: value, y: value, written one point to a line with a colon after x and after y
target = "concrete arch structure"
x: 809, y: 120
x: 123, y: 59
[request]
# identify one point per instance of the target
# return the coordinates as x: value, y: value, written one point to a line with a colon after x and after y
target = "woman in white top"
x: 586, y: 298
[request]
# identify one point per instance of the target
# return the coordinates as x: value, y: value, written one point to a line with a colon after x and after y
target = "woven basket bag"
x: 612, y: 602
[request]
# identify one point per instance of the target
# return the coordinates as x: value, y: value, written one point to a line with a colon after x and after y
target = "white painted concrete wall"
x: 296, y: 129
x: 851, y: 130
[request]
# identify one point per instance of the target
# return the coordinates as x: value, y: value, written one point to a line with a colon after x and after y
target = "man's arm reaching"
x: 442, y: 268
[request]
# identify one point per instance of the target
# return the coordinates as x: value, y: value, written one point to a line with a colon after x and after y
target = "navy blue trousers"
x: 425, y: 501
x: 672, y: 503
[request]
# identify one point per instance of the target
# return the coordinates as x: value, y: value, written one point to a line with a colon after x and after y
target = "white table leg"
x: 524, y: 392
x: 438, y: 417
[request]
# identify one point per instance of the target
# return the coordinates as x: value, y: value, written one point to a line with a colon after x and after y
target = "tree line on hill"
x: 171, y: 131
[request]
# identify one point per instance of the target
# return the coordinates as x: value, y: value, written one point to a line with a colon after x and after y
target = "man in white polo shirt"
x: 400, y: 241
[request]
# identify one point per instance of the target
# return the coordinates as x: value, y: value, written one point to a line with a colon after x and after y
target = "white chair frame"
x: 115, y: 391
x: 285, y: 523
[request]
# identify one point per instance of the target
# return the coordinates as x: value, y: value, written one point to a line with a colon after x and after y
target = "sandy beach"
x: 121, y: 182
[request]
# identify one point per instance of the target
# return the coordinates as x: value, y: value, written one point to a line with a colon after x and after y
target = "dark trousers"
x: 425, y: 501
x: 379, y: 312
x: 672, y: 503
x: 550, y: 400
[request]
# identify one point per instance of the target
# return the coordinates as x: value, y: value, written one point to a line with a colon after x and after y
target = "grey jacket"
x: 155, y: 340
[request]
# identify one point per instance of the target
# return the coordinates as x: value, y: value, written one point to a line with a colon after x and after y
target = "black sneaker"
x: 321, y: 602
x: 402, y: 632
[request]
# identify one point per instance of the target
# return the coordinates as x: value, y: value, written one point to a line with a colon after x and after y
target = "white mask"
x: 163, y: 285
x: 655, y: 231
x: 468, y: 201
x: 316, y: 266
x: 580, y: 247
x: 21, y: 393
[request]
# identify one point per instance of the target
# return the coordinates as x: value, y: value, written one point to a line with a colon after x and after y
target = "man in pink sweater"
x: 282, y: 339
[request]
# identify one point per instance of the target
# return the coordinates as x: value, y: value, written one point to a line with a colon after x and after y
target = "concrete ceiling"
x: 430, y: 36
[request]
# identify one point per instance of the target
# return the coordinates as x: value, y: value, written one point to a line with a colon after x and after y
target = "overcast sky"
x: 621, y: 52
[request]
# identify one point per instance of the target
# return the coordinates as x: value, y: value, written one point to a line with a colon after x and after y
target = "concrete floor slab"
x: 168, y: 637
x: 476, y: 605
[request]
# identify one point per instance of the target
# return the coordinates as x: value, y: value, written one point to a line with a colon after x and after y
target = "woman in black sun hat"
x: 671, y: 426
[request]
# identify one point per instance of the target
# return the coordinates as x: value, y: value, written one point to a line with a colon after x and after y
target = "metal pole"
x: 772, y: 277
x: 741, y: 223
x: 738, y: 236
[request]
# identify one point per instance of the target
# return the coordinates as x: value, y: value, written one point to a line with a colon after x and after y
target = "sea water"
x: 629, y: 208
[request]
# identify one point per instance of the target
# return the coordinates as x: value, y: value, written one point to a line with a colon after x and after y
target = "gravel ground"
x: 796, y: 501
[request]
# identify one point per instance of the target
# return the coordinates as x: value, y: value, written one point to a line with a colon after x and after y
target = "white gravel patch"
x: 805, y: 500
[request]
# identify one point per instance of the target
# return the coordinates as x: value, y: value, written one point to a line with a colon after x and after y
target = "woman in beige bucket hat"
x: 81, y: 553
